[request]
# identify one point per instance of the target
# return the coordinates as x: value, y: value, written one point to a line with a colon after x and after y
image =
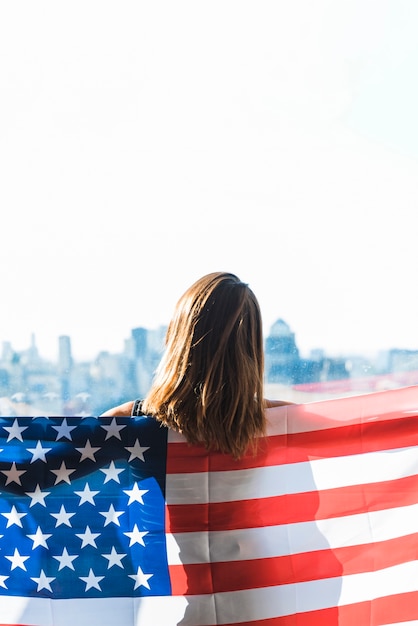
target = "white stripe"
x: 316, y: 475
x: 149, y: 611
x: 233, y: 607
x: 310, y: 596
x: 413, y: 623
x: 273, y: 541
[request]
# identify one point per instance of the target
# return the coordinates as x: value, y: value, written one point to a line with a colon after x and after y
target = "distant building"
x: 65, y: 359
x: 147, y: 351
x: 402, y: 360
x: 285, y: 366
x: 7, y: 352
x: 32, y: 353
x: 140, y: 341
x: 65, y: 364
x: 281, y: 354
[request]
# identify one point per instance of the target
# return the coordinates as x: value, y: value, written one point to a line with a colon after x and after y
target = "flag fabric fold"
x: 120, y: 521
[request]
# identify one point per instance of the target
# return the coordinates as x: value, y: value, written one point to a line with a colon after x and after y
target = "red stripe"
x: 295, y: 448
x: 292, y: 508
x: 202, y: 578
x: 378, y: 612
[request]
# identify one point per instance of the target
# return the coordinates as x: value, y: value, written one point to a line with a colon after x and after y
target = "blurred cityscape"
x: 32, y: 385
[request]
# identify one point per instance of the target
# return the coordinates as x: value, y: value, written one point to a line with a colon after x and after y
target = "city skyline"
x: 156, y: 340
x: 32, y: 384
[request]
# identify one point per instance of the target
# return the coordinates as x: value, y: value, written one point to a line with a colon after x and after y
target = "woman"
x: 209, y: 384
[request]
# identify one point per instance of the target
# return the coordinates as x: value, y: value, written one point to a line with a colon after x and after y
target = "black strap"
x: 137, y: 408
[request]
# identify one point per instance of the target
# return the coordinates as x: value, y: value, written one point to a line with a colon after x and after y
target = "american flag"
x: 117, y: 521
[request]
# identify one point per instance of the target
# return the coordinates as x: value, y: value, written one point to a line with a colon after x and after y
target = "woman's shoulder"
x: 123, y: 410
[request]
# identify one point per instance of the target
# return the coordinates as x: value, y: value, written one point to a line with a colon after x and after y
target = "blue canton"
x: 82, y: 507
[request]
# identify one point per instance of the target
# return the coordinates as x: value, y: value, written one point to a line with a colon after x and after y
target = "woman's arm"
x: 123, y: 410
x: 269, y: 404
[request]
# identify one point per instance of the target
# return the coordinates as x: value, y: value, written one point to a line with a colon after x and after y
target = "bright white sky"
x: 143, y: 144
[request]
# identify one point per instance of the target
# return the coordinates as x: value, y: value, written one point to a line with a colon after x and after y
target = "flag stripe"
x: 316, y: 416
x: 265, y: 482
x: 292, y: 508
x: 294, y: 448
x: 246, y: 608
x: 193, y: 579
x: 376, y: 612
x: 239, y: 606
x: 257, y: 543
x: 168, y: 611
x: 148, y: 611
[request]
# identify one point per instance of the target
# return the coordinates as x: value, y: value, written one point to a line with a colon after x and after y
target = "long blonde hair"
x: 209, y: 384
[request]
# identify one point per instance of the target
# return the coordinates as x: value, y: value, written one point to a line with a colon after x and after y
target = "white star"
x: 112, y: 473
x: 38, y: 452
x: 137, y: 451
x: 91, y: 580
x: 83, y: 395
x: 114, y: 558
x: 64, y: 430
x: 86, y: 495
x: 51, y: 395
x: 87, y: 452
x: 135, y: 494
x: 15, y: 431
x: 88, y: 538
x: 113, y: 429
x: 62, y: 517
x: 13, y: 474
x: 112, y: 516
x: 141, y: 579
x: 43, y: 581
x: 65, y: 560
x: 14, y: 517
x: 3, y: 580
x: 63, y: 474
x: 37, y: 496
x: 39, y: 539
x: 18, y: 396
x: 17, y: 560
x: 136, y: 536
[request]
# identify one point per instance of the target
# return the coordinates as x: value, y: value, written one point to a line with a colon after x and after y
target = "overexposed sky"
x: 143, y: 144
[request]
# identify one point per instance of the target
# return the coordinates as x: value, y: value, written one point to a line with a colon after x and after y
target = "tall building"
x: 281, y: 354
x: 65, y: 363
x: 7, y: 351
x: 32, y: 353
x: 65, y: 359
x: 140, y: 339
